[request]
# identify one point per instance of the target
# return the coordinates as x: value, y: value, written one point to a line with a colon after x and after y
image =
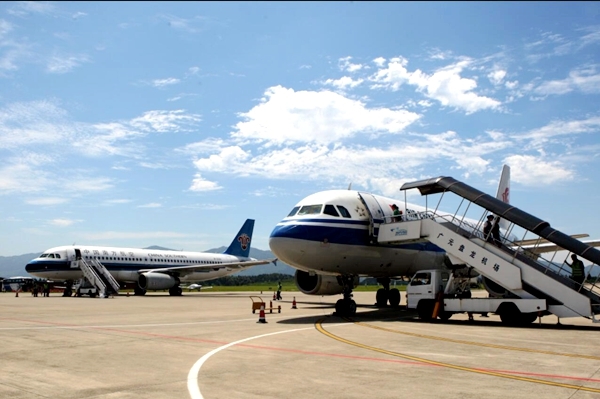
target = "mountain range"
x: 11, y: 266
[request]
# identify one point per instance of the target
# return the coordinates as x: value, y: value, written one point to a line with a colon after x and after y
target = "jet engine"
x: 495, y: 290
x: 318, y: 284
x: 156, y: 281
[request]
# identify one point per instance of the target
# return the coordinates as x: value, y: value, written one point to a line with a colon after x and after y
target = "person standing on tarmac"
x: 279, y: 291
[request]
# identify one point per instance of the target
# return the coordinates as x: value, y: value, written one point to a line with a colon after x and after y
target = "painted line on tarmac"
x: 473, y: 343
x: 192, y: 380
x: 321, y: 329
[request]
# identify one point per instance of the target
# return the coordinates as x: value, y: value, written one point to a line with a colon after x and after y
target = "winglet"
x: 240, y: 246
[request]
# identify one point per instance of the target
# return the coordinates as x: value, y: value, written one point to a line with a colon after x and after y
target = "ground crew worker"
x: 577, y: 269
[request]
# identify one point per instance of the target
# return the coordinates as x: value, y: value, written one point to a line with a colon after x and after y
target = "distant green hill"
x: 11, y: 266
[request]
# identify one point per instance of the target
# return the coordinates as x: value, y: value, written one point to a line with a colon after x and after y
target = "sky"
x: 169, y: 123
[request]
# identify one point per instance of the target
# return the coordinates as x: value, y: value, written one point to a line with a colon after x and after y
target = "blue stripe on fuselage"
x: 330, y: 231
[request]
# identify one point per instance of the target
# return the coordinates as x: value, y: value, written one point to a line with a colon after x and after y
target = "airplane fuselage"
x: 124, y: 264
x: 329, y: 233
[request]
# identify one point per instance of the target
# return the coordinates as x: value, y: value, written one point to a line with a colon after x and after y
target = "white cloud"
x: 189, y: 25
x: 286, y: 116
x: 123, y: 235
x: 165, y: 82
x: 536, y: 171
x: 165, y: 121
x: 23, y: 8
x: 47, y: 201
x: 201, y: 184
x: 560, y: 128
x: 343, y: 82
x: 445, y: 85
x: 497, y: 76
x: 62, y: 222
x: 63, y: 64
x: 345, y: 65
x: 151, y: 205
x: 379, y: 61
x: 5, y: 27
x: 586, y: 80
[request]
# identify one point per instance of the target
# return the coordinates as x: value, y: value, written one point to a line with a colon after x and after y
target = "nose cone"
x: 33, y: 266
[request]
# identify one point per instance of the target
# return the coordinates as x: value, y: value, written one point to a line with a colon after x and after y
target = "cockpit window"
x: 43, y: 255
x: 330, y: 210
x: 51, y: 255
x: 344, y: 211
x: 57, y: 256
x: 310, y: 210
x: 293, y: 212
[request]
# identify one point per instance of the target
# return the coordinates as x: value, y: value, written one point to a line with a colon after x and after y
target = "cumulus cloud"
x: 537, y: 171
x: 445, y: 85
x: 286, y: 116
x: 345, y: 64
x: 200, y: 184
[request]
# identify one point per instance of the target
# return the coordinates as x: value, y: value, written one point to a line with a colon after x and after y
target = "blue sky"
x: 170, y: 123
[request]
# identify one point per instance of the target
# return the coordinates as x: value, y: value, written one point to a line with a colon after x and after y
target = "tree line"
x: 232, y: 281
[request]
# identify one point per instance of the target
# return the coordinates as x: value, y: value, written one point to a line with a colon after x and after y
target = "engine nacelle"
x: 495, y: 290
x: 156, y: 281
x: 319, y: 284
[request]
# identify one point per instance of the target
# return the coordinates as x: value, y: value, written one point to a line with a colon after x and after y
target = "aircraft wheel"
x: 394, y: 297
x: 345, y: 307
x: 381, y: 298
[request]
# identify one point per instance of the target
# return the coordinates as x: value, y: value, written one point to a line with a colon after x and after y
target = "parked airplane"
x: 149, y: 269
x: 195, y: 286
x: 326, y: 238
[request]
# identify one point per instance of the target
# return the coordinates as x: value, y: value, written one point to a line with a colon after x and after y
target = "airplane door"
x: 376, y: 213
x: 75, y: 257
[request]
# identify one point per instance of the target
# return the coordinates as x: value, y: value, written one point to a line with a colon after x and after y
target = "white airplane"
x: 149, y: 269
x: 195, y: 286
x: 326, y: 238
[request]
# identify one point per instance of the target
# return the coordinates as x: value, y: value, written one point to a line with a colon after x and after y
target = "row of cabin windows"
x: 331, y: 210
x: 152, y: 259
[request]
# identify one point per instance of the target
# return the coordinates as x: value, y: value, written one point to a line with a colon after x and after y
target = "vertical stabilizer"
x: 503, y: 193
x: 240, y: 246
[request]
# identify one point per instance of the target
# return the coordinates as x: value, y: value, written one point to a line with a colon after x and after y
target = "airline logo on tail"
x: 244, y: 240
x: 506, y: 195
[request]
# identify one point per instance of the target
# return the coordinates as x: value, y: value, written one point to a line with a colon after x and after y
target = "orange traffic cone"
x: 274, y: 296
x: 261, y: 315
x: 17, y: 294
x: 294, y: 304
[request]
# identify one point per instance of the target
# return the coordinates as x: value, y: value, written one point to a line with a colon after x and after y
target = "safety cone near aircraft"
x: 274, y: 296
x: 17, y: 294
x: 294, y: 304
x: 261, y: 315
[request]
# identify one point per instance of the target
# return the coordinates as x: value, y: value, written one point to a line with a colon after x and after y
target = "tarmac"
x: 210, y: 345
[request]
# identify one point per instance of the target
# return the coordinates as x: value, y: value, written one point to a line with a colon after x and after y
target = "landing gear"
x: 175, y: 291
x: 68, y: 291
x: 138, y: 291
x: 346, y: 306
x: 386, y: 294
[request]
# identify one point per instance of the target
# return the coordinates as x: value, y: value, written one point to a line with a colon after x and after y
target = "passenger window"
x: 330, y: 210
x: 343, y: 211
x: 310, y: 210
x: 293, y: 212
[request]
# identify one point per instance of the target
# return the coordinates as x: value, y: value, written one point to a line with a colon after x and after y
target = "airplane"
x: 148, y: 269
x: 195, y: 286
x: 326, y: 238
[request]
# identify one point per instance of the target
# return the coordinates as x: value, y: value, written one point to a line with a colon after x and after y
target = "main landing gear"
x: 386, y: 294
x: 175, y: 291
x: 137, y: 290
x: 346, y: 306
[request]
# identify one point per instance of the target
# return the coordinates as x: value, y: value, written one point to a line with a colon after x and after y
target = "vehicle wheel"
x: 509, y: 313
x: 381, y: 298
x: 92, y: 294
x: 394, y: 297
x: 528, y: 318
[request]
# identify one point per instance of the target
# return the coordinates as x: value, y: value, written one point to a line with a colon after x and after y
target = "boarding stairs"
x: 99, y: 276
x: 522, y: 272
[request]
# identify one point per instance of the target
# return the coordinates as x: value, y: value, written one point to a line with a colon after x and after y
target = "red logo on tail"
x: 244, y: 241
x: 505, y: 195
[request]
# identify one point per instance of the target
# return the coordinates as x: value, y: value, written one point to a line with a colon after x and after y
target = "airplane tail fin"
x: 503, y: 193
x: 240, y: 246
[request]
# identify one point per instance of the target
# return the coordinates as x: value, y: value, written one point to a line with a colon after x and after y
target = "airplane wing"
x: 184, y: 270
x: 540, y: 240
x: 551, y: 247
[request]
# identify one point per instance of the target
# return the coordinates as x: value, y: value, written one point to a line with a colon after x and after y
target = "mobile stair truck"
x: 522, y: 285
